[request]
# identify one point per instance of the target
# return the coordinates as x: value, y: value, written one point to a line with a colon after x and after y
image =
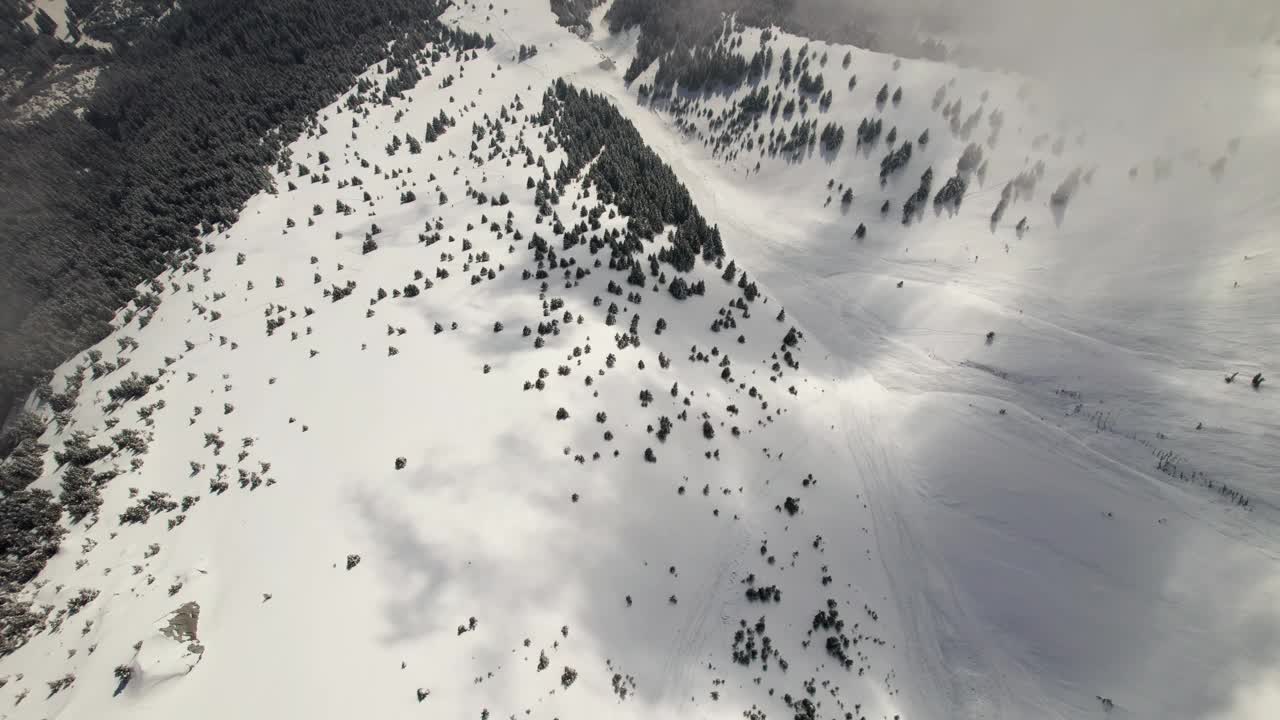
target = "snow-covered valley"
x: 942, y: 468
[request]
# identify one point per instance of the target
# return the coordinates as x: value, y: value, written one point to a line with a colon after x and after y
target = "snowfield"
x: 392, y: 518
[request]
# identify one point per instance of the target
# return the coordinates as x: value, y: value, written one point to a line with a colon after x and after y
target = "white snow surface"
x: 57, y: 10
x: 998, y: 505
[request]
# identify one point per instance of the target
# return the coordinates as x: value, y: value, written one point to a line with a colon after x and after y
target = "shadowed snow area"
x: 1005, y: 457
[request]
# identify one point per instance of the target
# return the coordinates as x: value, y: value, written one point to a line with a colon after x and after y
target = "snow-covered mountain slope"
x: 1113, y: 330
x: 899, y: 514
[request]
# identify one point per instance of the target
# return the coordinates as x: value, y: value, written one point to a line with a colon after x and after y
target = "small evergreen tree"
x: 79, y: 495
x: 730, y: 271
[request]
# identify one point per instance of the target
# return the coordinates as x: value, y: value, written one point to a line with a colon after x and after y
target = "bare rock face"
x: 172, y: 651
x: 182, y: 627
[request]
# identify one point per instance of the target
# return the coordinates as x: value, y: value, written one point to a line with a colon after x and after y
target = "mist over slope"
x: 1117, y: 306
x: 532, y: 392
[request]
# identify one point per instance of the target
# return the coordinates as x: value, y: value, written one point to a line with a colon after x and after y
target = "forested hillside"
x: 681, y: 34
x: 176, y: 135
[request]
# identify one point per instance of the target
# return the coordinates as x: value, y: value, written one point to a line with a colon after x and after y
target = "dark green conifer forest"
x: 185, y: 119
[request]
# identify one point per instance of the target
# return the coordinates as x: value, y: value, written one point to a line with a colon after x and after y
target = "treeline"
x: 627, y: 173
x: 574, y: 13
x: 177, y: 136
x: 30, y: 528
x: 683, y: 35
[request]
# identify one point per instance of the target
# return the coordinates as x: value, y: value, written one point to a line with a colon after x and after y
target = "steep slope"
x: 381, y: 492
x: 865, y: 506
x: 1115, y: 316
